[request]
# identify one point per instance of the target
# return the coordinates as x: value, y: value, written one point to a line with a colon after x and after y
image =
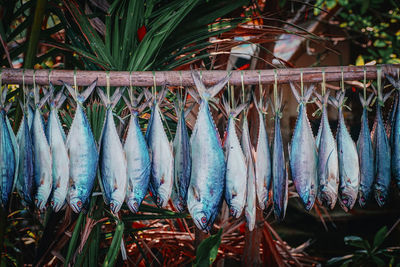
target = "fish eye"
x: 52, y: 203
x: 79, y: 204
x: 204, y: 219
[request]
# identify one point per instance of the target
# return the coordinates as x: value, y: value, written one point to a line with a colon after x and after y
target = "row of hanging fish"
x: 199, y: 172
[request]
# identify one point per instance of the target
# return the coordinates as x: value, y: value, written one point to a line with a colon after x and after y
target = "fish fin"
x: 7, y: 107
x: 44, y: 98
x: 4, y: 95
x: 214, y: 90
x: 374, y: 89
x: 148, y: 95
x: 226, y: 107
x: 319, y: 97
x: 116, y: 96
x: 309, y: 92
x: 144, y: 105
x: 103, y: 97
x: 176, y: 107
x: 327, y: 162
x: 386, y: 96
x: 70, y: 90
x: 128, y: 103
x: 86, y: 93
x: 189, y: 109
x: 194, y: 94
x: 162, y: 94
x: 396, y: 84
x: 295, y: 93
x: 239, y: 109
x: 197, y: 81
x: 363, y: 103
x: 333, y: 101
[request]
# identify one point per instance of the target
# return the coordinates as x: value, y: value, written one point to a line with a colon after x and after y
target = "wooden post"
x: 173, y: 78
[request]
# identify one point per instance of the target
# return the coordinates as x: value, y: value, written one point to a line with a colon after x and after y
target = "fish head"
x: 56, y: 205
x: 347, y: 202
x: 327, y: 198
x: 115, y: 205
x: 201, y: 220
x: 362, y: 199
x: 380, y: 196
x: 180, y: 204
x: 76, y: 204
x: 133, y: 205
x: 161, y: 201
x: 308, y: 201
x: 40, y: 203
x: 234, y: 212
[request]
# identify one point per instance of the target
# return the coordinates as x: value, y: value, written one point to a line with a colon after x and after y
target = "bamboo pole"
x: 176, y: 78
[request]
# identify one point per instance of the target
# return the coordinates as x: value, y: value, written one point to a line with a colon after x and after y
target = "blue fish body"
x: 42, y: 161
x: 60, y: 160
x: 395, y: 145
x: 328, y: 166
x: 382, y: 160
x: 25, y: 181
x: 138, y: 164
x: 112, y: 164
x: 182, y: 164
x: 349, y: 172
x: 161, y: 175
x: 279, y: 175
x: 83, y: 155
x: 366, y: 158
x: 8, y: 161
x: 304, y: 159
x: 208, y: 170
x: 236, y: 171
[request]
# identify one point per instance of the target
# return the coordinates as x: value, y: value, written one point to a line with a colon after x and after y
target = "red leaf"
x: 141, y: 33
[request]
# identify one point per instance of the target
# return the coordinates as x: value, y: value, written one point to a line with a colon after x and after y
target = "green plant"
x: 369, y: 254
x: 208, y: 249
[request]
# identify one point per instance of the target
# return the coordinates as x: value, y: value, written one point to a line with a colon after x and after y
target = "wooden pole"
x: 173, y: 78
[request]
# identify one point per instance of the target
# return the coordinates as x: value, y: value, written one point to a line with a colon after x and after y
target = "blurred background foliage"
x: 172, y: 35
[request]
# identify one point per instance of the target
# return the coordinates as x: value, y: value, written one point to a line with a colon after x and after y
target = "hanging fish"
x: 395, y: 132
x: 365, y: 155
x: 349, y: 170
x: 112, y: 160
x: 279, y: 173
x: 263, y: 157
x: 208, y: 163
x: 161, y: 176
x: 182, y: 158
x: 236, y: 167
x: 328, y: 166
x: 82, y: 151
x: 9, y: 153
x: 303, y: 156
x: 42, y: 163
x: 382, y: 154
x: 251, y: 196
x: 25, y: 180
x: 137, y: 157
x: 56, y: 136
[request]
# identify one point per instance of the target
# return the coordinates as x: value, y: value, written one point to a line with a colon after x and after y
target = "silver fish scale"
x: 161, y: 178
x: 303, y: 160
x: 349, y: 172
x: 138, y: 165
x: 60, y: 161
x: 113, y: 170
x: 328, y: 167
x: 251, y: 197
x: 42, y: 162
x: 263, y: 164
x: 236, y: 172
x: 208, y: 171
